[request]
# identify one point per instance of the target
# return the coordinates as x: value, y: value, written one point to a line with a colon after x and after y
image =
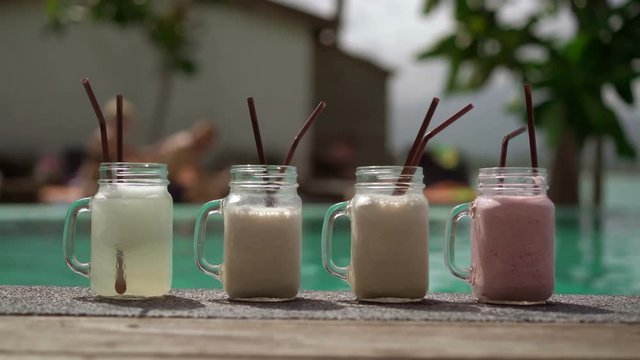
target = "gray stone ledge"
x: 316, y: 305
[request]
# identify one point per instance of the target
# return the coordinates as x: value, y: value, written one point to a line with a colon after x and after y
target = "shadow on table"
x: 559, y: 307
x: 167, y: 302
x: 422, y: 305
x: 297, y: 304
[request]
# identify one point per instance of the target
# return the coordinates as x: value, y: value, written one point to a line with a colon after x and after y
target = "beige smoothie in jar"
x: 261, y: 252
x: 262, y: 234
x: 389, y: 235
x: 389, y: 246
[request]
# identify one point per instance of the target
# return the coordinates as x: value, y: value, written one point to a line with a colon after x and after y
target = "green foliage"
x: 571, y: 74
x: 166, y: 28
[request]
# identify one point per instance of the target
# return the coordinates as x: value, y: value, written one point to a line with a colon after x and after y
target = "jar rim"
x: 390, y: 177
x: 513, y: 170
x: 386, y: 167
x: 393, y: 170
x: 131, y: 164
x: 512, y: 180
x: 263, y: 176
x: 133, y: 173
x: 261, y: 166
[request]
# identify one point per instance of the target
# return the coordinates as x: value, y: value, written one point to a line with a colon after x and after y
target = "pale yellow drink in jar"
x: 136, y: 220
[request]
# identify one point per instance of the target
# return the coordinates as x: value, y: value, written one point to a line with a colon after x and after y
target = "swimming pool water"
x: 595, y: 253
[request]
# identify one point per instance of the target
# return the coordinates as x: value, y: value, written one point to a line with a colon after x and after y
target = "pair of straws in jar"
x: 121, y: 282
x: 420, y: 143
x: 423, y: 137
x: 255, y: 125
x: 530, y: 127
x: 294, y: 145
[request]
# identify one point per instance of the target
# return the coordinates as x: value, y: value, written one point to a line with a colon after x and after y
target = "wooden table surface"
x: 67, y: 337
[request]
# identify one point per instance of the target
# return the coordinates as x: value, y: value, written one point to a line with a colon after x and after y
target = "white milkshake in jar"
x: 261, y: 252
x: 137, y: 221
x: 389, y: 235
x: 262, y: 234
x: 389, y: 246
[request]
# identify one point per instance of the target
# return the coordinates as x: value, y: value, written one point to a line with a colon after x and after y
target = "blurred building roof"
x: 318, y: 24
x: 277, y: 9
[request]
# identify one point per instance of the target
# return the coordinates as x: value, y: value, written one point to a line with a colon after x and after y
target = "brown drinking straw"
x: 312, y: 118
x: 101, y: 121
x: 431, y: 134
x: 121, y: 282
x: 119, y: 126
x: 505, y: 144
x: 256, y: 130
x: 531, y: 125
x: 423, y: 129
x: 407, y: 169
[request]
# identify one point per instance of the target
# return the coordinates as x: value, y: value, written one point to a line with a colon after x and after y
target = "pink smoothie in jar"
x: 512, y: 237
x: 512, y: 248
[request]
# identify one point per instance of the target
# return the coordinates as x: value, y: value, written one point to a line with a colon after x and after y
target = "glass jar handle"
x: 69, y: 237
x: 212, y: 207
x: 330, y: 217
x: 456, y: 214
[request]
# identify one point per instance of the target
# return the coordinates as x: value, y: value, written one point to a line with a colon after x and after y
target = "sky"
x: 392, y: 33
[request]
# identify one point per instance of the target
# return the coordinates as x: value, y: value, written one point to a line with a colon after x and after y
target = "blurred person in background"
x: 338, y: 159
x: 184, y: 153
x: 75, y: 173
x: 53, y: 175
x: 446, y: 177
x: 334, y: 170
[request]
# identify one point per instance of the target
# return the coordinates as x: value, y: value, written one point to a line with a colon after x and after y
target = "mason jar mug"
x: 131, y: 232
x: 389, y: 235
x: 512, y: 237
x: 262, y: 234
